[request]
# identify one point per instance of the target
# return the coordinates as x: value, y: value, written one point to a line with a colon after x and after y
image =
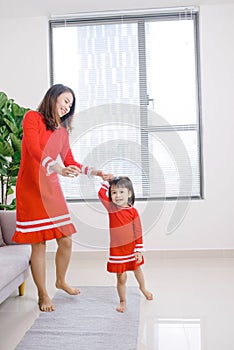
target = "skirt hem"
x: 44, y: 235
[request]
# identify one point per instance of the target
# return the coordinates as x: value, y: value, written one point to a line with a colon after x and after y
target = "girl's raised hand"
x: 107, y: 177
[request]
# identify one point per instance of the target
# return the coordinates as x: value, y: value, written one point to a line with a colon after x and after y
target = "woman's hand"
x: 70, y: 171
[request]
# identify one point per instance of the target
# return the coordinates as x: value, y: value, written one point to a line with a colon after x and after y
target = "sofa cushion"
x: 2, y: 243
x: 13, y: 260
x: 8, y: 225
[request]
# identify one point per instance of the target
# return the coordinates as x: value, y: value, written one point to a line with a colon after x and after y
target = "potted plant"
x: 11, y: 115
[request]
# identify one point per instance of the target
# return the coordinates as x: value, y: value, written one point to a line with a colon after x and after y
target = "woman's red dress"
x: 41, y: 209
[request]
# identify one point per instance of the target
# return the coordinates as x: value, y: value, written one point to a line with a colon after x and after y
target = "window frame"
x: 143, y: 16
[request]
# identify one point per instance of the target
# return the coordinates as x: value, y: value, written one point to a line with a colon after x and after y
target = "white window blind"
x: 136, y: 80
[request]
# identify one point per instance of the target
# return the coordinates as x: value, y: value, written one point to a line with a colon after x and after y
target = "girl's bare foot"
x: 45, y: 303
x: 147, y: 294
x: 68, y: 289
x: 121, y: 307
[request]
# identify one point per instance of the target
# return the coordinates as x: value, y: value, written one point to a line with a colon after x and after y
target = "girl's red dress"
x: 41, y: 209
x: 125, y: 234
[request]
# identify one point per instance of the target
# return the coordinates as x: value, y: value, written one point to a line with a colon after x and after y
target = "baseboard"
x: 193, y: 253
x: 172, y: 254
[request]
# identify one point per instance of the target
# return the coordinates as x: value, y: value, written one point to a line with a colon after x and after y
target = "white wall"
x: 24, y: 59
x: 208, y: 223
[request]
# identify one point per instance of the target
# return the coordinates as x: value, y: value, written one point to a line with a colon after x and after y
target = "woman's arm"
x: 32, y: 124
x: 68, y: 160
x: 31, y: 137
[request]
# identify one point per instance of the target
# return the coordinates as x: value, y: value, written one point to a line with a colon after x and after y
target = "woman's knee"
x: 39, y: 249
x: 40, y: 246
x: 64, y: 242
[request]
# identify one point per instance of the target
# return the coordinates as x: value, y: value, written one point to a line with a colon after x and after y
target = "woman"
x: 41, y: 210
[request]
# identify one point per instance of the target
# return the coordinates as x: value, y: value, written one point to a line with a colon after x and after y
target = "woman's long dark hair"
x: 48, y: 105
x: 125, y: 182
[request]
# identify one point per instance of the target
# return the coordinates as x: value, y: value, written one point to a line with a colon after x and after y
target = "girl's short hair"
x: 125, y: 182
x: 48, y: 105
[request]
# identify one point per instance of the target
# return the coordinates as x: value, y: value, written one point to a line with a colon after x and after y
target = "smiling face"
x: 63, y: 104
x: 120, y: 196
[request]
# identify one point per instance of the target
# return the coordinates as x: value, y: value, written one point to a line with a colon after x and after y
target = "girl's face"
x: 120, y: 195
x: 63, y: 104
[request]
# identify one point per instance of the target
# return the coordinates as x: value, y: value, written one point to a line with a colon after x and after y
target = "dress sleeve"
x: 138, y: 232
x: 103, y: 196
x: 31, y: 125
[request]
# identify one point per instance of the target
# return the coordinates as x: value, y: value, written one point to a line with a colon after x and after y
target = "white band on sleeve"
x: 83, y: 169
x: 138, y: 250
x: 48, y: 168
x: 90, y: 171
x: 86, y: 170
x: 45, y: 161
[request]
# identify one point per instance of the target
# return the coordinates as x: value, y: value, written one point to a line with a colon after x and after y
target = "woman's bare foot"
x: 45, y: 304
x: 147, y: 294
x: 121, y: 307
x: 68, y: 289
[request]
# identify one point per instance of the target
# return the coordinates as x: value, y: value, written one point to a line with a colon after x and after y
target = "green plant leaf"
x: 3, y: 160
x: 12, y: 181
x: 11, y: 116
x: 16, y: 142
x: 3, y: 99
x: 16, y: 157
x: 18, y: 122
x: 10, y: 206
x: 6, y: 109
x: 6, y: 149
x: 18, y: 111
x: 10, y: 191
x: 3, y: 172
x: 4, y: 132
x: 14, y: 171
x: 11, y: 126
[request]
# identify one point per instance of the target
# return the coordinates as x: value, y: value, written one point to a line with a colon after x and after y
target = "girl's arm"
x: 139, y: 257
x: 103, y: 196
x: 138, y: 232
x: 138, y: 238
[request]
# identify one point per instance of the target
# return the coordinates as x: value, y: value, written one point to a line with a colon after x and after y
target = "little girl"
x: 126, y: 244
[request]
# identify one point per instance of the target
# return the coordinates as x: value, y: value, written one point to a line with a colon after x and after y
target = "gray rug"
x: 88, y: 321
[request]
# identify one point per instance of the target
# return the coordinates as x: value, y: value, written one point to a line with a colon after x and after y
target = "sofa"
x: 14, y: 258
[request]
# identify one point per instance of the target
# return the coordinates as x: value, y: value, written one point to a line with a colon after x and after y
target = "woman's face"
x: 63, y: 104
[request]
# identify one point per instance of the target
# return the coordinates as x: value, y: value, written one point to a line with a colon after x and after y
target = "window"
x: 136, y: 80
